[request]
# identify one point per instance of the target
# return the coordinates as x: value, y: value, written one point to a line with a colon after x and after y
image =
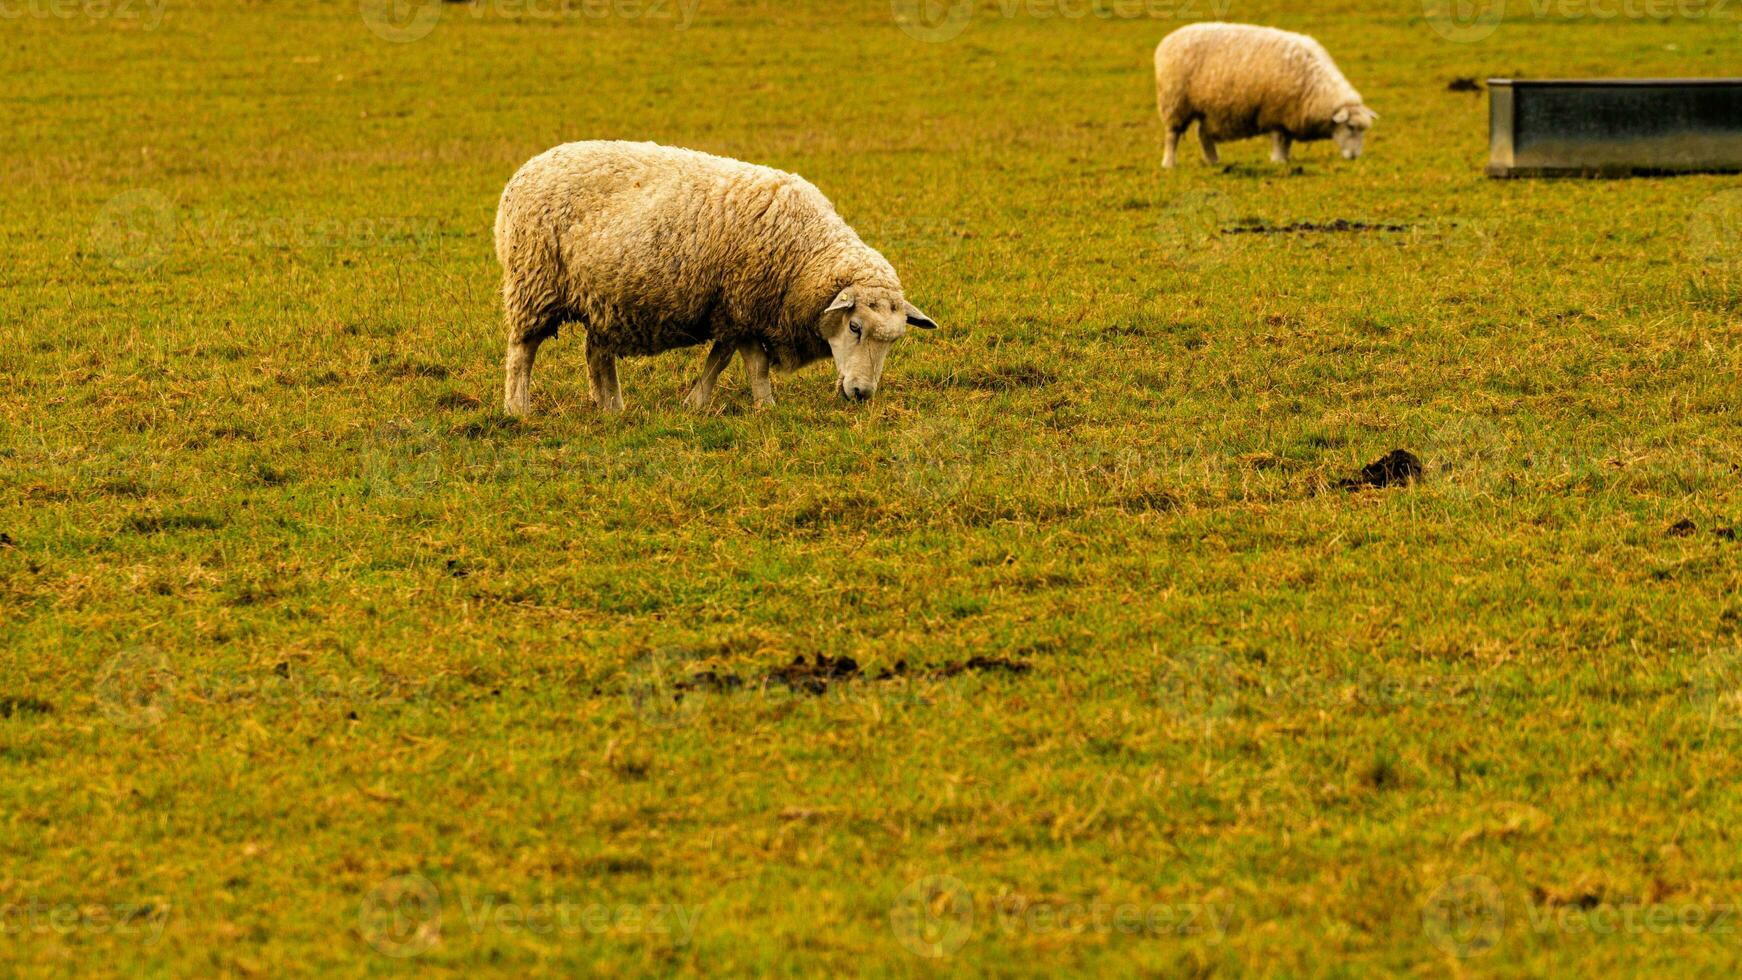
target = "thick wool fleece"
x: 652, y: 248
x: 1240, y: 81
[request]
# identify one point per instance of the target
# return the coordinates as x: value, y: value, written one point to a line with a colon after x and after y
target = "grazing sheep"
x: 651, y: 248
x: 1236, y: 81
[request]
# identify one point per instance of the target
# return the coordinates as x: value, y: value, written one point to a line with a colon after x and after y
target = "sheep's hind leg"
x: 756, y: 366
x: 703, y: 392
x: 1211, y: 157
x: 523, y: 345
x: 1279, y: 147
x: 517, y: 397
x: 1170, y: 156
x: 602, y: 371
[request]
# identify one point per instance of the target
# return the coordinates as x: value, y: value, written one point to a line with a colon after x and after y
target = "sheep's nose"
x: 860, y: 393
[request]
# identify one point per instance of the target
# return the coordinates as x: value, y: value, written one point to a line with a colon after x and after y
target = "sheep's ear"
x: 844, y: 301
x: 915, y: 318
x: 1342, y: 116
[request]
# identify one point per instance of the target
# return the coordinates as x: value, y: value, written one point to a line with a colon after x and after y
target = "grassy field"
x: 1068, y: 653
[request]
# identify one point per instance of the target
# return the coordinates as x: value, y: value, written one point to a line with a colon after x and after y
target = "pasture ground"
x: 313, y: 662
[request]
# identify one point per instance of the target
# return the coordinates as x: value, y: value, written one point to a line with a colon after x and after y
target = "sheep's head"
x: 1351, y: 125
x: 861, y: 325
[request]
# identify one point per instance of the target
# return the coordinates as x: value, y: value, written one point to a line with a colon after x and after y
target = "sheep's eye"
x: 855, y: 328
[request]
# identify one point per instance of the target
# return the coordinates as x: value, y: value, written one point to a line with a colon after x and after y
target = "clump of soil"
x: 458, y: 399
x: 1464, y: 84
x: 1398, y: 467
x: 161, y: 523
x: 1310, y: 227
x: 1681, y: 528
x: 981, y: 665
x: 816, y: 674
x: 1009, y: 377
x: 10, y: 706
x: 711, y: 680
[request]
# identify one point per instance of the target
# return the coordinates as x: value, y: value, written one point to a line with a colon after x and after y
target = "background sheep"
x: 1236, y: 81
x: 651, y: 248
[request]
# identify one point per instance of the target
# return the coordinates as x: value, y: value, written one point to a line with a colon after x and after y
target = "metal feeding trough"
x: 1614, y: 128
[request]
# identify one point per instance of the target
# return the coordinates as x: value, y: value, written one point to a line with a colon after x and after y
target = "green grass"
x: 299, y: 633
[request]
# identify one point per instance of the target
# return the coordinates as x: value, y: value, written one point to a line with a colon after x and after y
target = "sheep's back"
x: 1243, y: 79
x: 640, y: 242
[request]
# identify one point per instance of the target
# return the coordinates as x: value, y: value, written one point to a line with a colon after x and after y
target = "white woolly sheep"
x: 652, y: 248
x: 1237, y: 81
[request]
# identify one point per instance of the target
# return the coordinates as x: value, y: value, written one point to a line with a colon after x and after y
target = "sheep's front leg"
x: 756, y: 366
x: 1170, y: 156
x: 1279, y: 147
x: 703, y: 392
x: 517, y: 399
x: 602, y: 369
x: 1211, y: 157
